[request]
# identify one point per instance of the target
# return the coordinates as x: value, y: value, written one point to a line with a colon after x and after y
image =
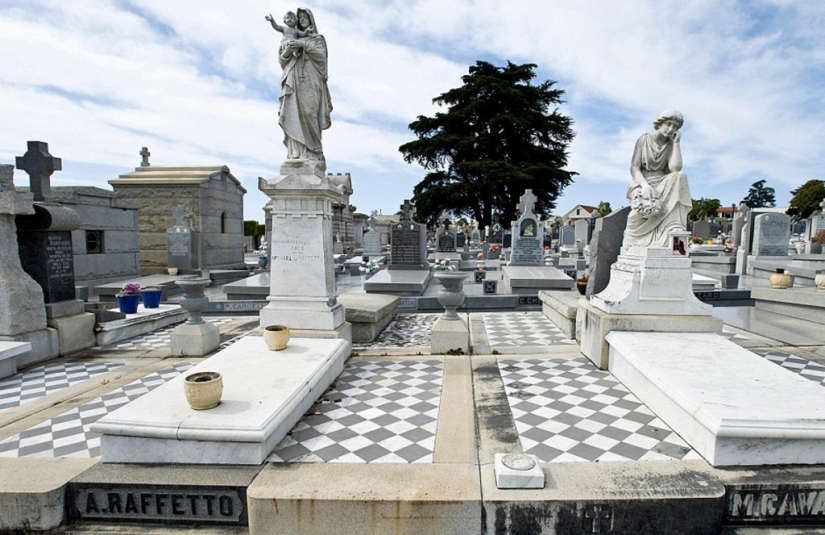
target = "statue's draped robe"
x: 305, y: 101
x: 672, y: 189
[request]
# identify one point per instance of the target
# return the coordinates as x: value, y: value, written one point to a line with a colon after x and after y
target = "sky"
x: 197, y: 82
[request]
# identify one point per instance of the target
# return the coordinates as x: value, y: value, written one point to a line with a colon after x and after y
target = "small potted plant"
x: 128, y: 298
x: 151, y: 297
x: 696, y: 243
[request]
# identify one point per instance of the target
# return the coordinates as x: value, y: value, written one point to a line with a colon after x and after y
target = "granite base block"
x: 561, y: 308
x: 45, y: 346
x: 403, y: 282
x: 450, y: 336
x: 198, y: 340
x: 593, y: 325
x: 733, y: 407
x: 369, y: 314
x: 535, y: 278
x: 265, y: 394
x: 9, y: 351
x: 75, y: 333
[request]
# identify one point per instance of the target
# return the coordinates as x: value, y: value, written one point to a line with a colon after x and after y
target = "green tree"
x: 760, y: 196
x: 604, y: 208
x: 702, y: 208
x: 250, y: 228
x: 499, y: 136
x: 806, y: 199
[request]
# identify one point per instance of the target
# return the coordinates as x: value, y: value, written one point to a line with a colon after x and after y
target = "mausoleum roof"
x: 175, y: 176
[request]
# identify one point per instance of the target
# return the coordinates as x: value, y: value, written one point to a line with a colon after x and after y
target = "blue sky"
x: 196, y: 81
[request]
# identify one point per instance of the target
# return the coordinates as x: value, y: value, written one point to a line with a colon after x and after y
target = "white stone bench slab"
x: 265, y: 393
x: 730, y: 405
x: 9, y: 351
x: 145, y: 320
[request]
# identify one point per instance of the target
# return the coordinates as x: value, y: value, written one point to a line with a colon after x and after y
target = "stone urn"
x: 193, y: 300
x: 451, y: 295
x: 172, y: 271
x: 780, y: 280
x: 819, y: 279
x: 276, y: 337
x: 203, y: 390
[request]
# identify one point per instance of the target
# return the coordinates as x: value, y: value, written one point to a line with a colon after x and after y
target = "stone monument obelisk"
x: 302, y: 283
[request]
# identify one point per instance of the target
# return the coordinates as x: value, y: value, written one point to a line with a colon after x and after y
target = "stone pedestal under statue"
x: 302, y: 282
x: 650, y: 290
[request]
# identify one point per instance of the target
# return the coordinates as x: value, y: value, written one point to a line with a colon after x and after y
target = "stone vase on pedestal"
x: 195, y: 338
x: 451, y: 295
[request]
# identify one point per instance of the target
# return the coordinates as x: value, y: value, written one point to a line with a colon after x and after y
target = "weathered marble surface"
x: 732, y: 406
x: 265, y: 394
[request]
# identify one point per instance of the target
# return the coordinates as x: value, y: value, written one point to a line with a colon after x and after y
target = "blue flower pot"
x: 128, y: 303
x: 151, y: 298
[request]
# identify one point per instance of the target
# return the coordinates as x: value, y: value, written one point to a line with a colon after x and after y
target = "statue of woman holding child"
x: 305, y: 103
x: 659, y: 194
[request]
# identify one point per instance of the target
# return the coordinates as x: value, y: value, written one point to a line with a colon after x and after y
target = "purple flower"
x: 131, y: 288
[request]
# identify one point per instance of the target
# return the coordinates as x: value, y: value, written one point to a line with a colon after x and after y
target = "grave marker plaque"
x: 408, y: 242
x: 44, y: 241
x: 772, y: 234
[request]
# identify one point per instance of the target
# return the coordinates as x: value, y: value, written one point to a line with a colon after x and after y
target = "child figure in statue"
x: 290, y: 31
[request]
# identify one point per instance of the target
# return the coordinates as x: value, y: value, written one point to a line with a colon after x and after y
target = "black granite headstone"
x: 507, y: 240
x: 460, y: 239
x: 446, y: 243
x: 44, y: 241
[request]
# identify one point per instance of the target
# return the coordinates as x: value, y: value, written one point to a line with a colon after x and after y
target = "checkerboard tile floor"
x: 804, y: 367
x: 376, y: 412
x: 732, y: 335
x: 159, y: 338
x: 522, y: 329
x: 406, y: 330
x: 43, y: 380
x: 68, y: 435
x: 570, y: 411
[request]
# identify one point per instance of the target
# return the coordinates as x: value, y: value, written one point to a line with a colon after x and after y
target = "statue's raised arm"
x: 659, y: 194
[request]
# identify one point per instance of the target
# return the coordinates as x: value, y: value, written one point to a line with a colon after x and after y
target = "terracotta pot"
x: 276, y: 337
x: 780, y: 281
x: 203, y: 390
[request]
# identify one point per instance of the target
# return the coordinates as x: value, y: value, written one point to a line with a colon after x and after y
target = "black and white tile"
x: 159, y: 338
x: 522, y: 329
x: 376, y: 412
x: 68, y: 434
x: 804, y: 367
x: 38, y: 382
x: 406, y: 330
x: 567, y: 410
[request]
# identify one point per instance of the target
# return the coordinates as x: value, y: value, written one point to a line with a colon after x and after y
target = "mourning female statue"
x: 305, y: 101
x: 658, y: 192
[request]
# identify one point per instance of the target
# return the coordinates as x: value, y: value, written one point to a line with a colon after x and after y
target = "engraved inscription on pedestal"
x: 180, y: 243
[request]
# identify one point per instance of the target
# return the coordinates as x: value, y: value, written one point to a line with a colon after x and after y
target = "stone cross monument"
x: 144, y: 152
x: 39, y: 165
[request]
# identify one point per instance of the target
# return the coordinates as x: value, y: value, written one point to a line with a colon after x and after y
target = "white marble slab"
x: 541, y: 277
x: 265, y: 394
x: 145, y: 320
x: 9, y: 351
x: 730, y: 405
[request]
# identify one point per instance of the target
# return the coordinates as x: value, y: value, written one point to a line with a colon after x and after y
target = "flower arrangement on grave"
x: 710, y: 241
x: 819, y: 237
x: 367, y: 267
x: 444, y: 265
x: 697, y: 240
x: 130, y: 288
x: 494, y: 248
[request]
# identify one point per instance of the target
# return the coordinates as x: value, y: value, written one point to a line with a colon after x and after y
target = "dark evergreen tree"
x: 703, y: 208
x: 499, y: 136
x: 760, y: 196
x: 806, y: 199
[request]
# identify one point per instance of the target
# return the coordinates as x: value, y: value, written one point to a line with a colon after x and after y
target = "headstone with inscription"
x: 445, y: 238
x: 495, y: 234
x: 568, y: 236
x: 528, y: 247
x: 772, y: 234
x: 181, y: 243
x: 460, y: 239
x: 582, y: 231
x: 44, y: 241
x: 475, y: 238
x: 372, y: 238
x: 408, y: 242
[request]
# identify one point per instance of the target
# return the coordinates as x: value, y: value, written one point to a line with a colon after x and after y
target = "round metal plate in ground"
x: 518, y: 461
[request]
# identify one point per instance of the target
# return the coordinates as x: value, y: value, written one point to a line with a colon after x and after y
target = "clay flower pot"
x: 780, y: 280
x: 203, y: 390
x: 276, y: 337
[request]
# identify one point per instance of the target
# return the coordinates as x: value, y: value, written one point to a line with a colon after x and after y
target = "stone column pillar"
x: 302, y: 283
